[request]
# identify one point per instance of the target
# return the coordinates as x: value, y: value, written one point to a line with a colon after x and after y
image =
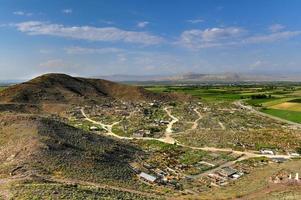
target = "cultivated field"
x: 277, y: 99
x: 2, y: 88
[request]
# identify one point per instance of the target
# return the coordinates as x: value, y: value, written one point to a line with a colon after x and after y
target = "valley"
x: 97, y: 139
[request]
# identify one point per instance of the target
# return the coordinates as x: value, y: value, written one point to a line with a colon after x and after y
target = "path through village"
x: 167, y: 138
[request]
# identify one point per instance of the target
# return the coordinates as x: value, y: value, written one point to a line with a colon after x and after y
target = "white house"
x: 147, y: 177
x: 266, y: 151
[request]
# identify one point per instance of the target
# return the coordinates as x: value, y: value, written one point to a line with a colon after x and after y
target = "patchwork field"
x: 293, y: 116
x: 278, y: 99
x: 2, y: 88
x: 288, y: 106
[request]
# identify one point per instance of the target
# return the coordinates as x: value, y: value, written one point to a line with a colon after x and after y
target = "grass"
x: 37, y: 191
x: 276, y: 105
x: 2, y: 88
x: 210, y: 94
x: 53, y: 148
x: 277, y: 101
x: 192, y: 157
x: 259, y: 102
x: 295, y: 101
x: 284, y: 114
x: 232, y: 92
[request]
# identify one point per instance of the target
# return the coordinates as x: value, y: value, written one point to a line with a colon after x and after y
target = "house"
x: 141, y: 133
x: 94, y: 128
x: 227, y: 172
x: 164, y: 122
x: 279, y: 160
x: 267, y: 151
x: 206, y: 163
x: 237, y: 175
x: 138, y: 133
x: 147, y: 177
x: 294, y: 154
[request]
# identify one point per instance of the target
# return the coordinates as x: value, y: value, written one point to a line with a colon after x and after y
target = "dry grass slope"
x: 61, y: 88
x: 41, y: 147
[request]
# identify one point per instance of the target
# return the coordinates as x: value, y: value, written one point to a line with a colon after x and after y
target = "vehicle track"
x: 171, y: 140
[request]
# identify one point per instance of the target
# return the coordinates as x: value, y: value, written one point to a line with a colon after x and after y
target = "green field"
x: 209, y: 93
x: 284, y: 114
x: 2, y: 88
x: 264, y: 96
x: 236, y: 92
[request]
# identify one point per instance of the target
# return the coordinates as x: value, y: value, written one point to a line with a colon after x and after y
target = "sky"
x: 149, y: 37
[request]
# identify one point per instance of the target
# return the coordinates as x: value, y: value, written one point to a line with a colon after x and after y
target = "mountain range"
x: 204, y: 78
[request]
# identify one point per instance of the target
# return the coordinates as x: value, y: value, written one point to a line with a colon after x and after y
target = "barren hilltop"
x: 55, y: 92
x: 62, y: 88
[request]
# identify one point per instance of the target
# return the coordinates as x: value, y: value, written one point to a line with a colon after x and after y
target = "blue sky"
x: 147, y: 37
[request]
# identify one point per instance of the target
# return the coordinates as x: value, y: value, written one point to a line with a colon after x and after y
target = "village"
x: 212, y: 170
x: 172, y: 164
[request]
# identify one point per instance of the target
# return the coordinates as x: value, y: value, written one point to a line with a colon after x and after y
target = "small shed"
x: 139, y: 133
x: 94, y: 128
x: 148, y: 177
x: 279, y: 160
x: 267, y: 151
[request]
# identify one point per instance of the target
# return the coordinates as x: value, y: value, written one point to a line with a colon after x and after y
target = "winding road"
x: 166, y: 139
x: 107, y: 127
x: 168, y: 131
x: 196, y: 122
x: 251, y: 109
x: 170, y: 140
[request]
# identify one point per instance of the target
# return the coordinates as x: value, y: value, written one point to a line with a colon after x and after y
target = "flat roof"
x: 147, y: 177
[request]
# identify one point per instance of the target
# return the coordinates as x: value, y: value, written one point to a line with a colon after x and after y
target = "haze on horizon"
x: 146, y: 37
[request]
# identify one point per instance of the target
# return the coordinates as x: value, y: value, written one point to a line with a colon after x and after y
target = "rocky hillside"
x: 35, y: 147
x: 64, y: 89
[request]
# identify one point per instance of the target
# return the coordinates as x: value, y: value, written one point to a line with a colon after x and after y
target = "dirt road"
x: 196, y: 122
x: 170, y: 140
x: 240, y: 104
x: 168, y: 131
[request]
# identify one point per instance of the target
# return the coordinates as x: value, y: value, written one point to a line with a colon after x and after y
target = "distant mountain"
x: 205, y: 78
x: 124, y: 78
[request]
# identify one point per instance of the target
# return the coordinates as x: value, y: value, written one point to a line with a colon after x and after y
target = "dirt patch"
x: 288, y: 106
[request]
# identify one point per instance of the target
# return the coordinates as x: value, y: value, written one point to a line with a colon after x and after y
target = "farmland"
x: 281, y: 100
x: 2, y: 88
x: 293, y: 116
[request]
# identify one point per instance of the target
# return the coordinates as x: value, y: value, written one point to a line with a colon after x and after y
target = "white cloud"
x: 22, y: 13
x: 213, y: 37
x: 276, y: 27
x: 105, y: 34
x: 195, y: 21
x: 142, y: 24
x: 272, y: 37
x: 222, y: 37
x: 67, y: 11
x: 82, y: 50
x: 54, y: 63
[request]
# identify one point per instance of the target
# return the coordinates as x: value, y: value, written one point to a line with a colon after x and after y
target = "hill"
x: 43, y: 150
x: 64, y: 89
